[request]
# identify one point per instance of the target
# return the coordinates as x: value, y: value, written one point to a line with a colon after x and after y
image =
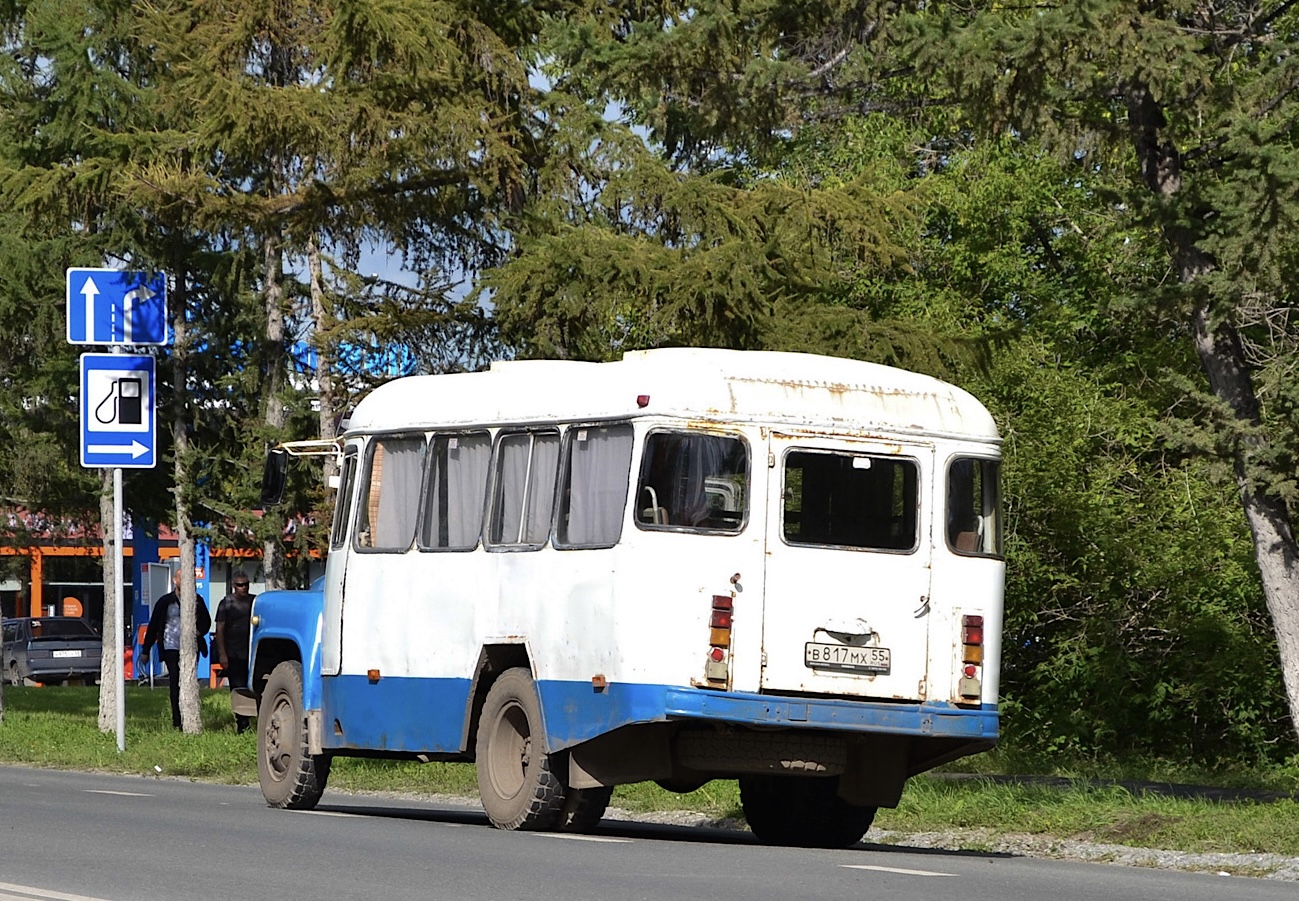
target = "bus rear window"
x: 851, y: 500
x: 692, y: 480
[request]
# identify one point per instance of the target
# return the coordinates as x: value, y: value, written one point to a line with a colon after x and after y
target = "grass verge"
x: 57, y: 727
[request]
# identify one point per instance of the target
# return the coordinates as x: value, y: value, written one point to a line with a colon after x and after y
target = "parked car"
x: 51, y: 650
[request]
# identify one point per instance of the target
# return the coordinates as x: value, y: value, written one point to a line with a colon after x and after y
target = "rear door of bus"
x: 846, y: 608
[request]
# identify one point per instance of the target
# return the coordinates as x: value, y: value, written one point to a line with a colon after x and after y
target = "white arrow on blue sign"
x: 115, y: 306
x: 118, y: 416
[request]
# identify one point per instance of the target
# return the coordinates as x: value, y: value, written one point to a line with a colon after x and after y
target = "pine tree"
x: 312, y: 130
x: 1193, y: 103
x: 71, y: 84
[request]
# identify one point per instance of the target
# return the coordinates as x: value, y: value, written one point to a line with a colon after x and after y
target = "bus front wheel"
x: 805, y: 812
x: 516, y: 782
x: 290, y: 776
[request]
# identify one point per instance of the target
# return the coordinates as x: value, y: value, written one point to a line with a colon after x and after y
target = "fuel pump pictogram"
x: 124, y: 403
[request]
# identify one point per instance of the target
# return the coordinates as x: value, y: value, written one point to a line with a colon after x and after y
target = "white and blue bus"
x: 686, y: 565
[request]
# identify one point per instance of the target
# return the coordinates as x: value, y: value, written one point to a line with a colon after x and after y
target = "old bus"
x: 686, y: 565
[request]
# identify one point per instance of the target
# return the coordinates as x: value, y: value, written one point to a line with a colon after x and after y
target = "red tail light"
x: 717, y: 667
x: 971, y: 687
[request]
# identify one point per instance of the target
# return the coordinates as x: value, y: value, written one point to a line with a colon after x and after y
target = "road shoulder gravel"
x: 991, y: 842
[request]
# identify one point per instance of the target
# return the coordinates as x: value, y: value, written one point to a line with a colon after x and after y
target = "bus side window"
x: 390, y: 491
x: 974, y: 507
x: 693, y: 480
x: 523, y: 489
x: 455, y: 492
x: 593, y: 494
x: 343, y: 502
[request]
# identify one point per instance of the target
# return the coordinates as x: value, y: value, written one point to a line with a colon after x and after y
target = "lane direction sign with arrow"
x: 115, y: 306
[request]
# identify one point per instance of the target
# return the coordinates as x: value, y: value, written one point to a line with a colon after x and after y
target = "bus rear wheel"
x: 516, y: 781
x: 804, y: 812
x: 290, y: 776
x: 584, y: 808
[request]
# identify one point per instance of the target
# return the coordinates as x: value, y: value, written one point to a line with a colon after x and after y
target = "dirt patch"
x: 1135, y: 831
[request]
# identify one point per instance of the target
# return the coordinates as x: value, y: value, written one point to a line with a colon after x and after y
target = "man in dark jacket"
x: 164, y: 631
x: 233, y: 625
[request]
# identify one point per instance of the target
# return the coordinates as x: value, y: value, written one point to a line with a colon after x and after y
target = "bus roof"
x: 793, y: 389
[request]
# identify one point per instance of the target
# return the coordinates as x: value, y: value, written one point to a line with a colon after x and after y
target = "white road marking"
x: 585, y: 838
x: 900, y: 870
x: 29, y: 892
x: 101, y: 791
x: 328, y: 813
x: 341, y: 813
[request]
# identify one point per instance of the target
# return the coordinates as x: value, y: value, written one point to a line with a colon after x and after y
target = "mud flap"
x: 243, y: 702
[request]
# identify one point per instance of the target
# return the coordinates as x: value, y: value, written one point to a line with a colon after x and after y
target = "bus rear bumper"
x: 929, y: 720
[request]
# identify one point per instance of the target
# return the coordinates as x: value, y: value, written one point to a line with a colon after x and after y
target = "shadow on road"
x: 694, y: 833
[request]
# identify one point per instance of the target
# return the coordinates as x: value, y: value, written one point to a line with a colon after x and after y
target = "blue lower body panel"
x: 428, y: 715
x: 399, y: 715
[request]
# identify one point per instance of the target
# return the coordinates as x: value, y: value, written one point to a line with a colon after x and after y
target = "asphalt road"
x: 86, y: 837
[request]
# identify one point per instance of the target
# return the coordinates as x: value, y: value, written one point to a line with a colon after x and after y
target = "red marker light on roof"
x: 642, y: 400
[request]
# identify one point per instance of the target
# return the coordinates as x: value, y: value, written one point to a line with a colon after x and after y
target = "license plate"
x: 72, y: 653
x: 846, y: 658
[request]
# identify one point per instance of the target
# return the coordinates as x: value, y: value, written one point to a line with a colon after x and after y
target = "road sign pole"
x: 119, y: 620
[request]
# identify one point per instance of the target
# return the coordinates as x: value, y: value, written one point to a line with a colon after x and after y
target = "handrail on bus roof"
x: 311, y: 447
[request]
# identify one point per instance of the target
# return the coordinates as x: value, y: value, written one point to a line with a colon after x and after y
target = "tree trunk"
x: 107, y: 671
x: 1275, y: 550
x: 273, y: 381
x: 324, y: 357
x: 1218, y: 345
x: 190, y: 719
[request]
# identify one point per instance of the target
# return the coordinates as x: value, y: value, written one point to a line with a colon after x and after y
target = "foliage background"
x: 574, y: 179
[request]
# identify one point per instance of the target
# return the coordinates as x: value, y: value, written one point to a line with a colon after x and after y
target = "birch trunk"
x: 324, y: 357
x: 107, y: 672
x: 1218, y: 344
x: 190, y: 718
x: 272, y: 547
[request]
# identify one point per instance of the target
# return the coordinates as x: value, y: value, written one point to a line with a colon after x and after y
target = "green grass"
x: 57, y: 727
x: 1111, y: 815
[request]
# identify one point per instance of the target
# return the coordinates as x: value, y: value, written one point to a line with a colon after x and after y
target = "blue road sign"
x: 113, y: 306
x: 117, y: 411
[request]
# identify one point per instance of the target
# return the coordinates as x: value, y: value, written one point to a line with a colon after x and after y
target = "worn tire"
x: 290, y: 777
x: 516, y: 781
x: 584, y: 808
x: 803, y: 812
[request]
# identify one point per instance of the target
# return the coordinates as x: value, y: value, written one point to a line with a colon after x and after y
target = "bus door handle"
x: 857, y: 628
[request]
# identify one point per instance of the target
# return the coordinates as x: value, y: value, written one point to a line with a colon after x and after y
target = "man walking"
x: 233, y: 625
x: 164, y: 631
